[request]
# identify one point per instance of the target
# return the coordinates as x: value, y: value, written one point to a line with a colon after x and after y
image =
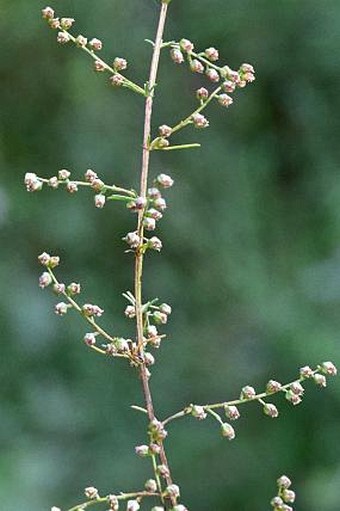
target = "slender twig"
x: 121, y: 496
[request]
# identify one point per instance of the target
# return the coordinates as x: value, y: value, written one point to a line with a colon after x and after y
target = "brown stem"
x: 139, y: 253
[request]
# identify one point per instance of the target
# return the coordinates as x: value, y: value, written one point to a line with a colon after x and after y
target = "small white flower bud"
x: 160, y: 317
x: 54, y: 23
x: 179, y: 507
x: 198, y: 412
x: 154, y: 448
x: 130, y: 311
x: 54, y: 508
x: 160, y: 203
x: 270, y: 410
x: 122, y: 345
x: 66, y: 23
x: 196, y: 66
x: 96, y: 44
x: 177, y: 56
x: 284, y: 482
x: 286, y: 508
x: 329, y: 368
x: 164, y: 130
x: 273, y: 386
x: 119, y: 64
x: 228, y: 86
x: 140, y: 202
x: 99, y: 66
x: 81, y: 41
x: 63, y: 174
x: 45, y: 280
x: 153, y: 213
x: 200, y: 121
x: 74, y: 288
x: 90, y: 175
x: 59, y: 288
x: 288, y: 496
x: 202, y: 93
x: 276, y: 502
x: 132, y: 505
x: 232, y: 412
x: 172, y: 490
x: 53, y: 182
x: 113, y: 502
x: 151, y: 486
x: 47, y: 13
x: 157, y: 430
x: 63, y: 38
x: 154, y: 193
x: 163, y: 471
x: 158, y: 508
x: 225, y: 100
x: 32, y: 182
x: 320, y: 380
x: 61, y: 308
x: 293, y: 398
x: 297, y: 388
x: 149, y: 359
x: 44, y: 258
x: 213, y: 75
x: 54, y: 261
x: 164, y: 180
x: 186, y: 45
x: 90, y: 339
x: 142, y: 450
x: 228, y: 431
x: 149, y: 223
x: 99, y: 200
x: 132, y: 239
x: 72, y: 187
x: 155, y: 243
x: 212, y: 54
x: 248, y: 392
x: 247, y: 68
x: 117, y: 80
x: 151, y: 331
x: 306, y: 372
x: 97, y: 184
x: 91, y: 492
x: 166, y: 308
x: 92, y: 310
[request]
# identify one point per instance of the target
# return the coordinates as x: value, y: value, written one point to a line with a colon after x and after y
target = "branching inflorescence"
x: 149, y: 315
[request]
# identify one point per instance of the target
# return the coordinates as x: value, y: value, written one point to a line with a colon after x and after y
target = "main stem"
x: 139, y: 253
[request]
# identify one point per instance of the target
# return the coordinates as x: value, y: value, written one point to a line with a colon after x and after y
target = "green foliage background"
x: 251, y: 262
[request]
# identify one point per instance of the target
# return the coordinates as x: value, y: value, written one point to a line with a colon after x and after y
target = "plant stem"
x: 139, y: 253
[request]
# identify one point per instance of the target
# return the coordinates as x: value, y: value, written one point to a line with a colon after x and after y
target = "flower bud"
x: 199, y: 121
x: 99, y: 66
x: 61, y: 308
x: 90, y: 176
x: 177, y: 56
x: 270, y: 410
x: 273, y: 386
x: 232, y: 412
x: 45, y: 280
x: 158, y: 508
x: 157, y: 430
x: 186, y: 45
x: 225, y: 100
x: 122, y: 345
x: 163, y: 471
x: 130, y: 311
x: 213, y: 75
x: 172, y: 491
x: 297, y: 388
x: 202, y: 93
x: 293, y: 398
x: 53, y: 182
x: 32, y: 182
x: 164, y: 130
x: 212, y: 54
x: 151, y: 331
x: 74, y: 288
x: 81, y: 41
x: 151, y: 486
x: 228, y: 86
x: 92, y: 310
x: 248, y: 392
x: 329, y: 368
x: 247, y: 68
x: 90, y: 339
x: 47, y: 13
x: 97, y: 185
x: 154, y: 193
x: 44, y: 258
x: 160, y: 318
x: 66, y: 23
x: 63, y: 174
x: 286, y: 508
x: 142, y: 450
x: 288, y: 496
x: 198, y: 412
x: 149, y: 223
x: 164, y: 180
x: 113, y: 502
x: 196, y: 66
x: 306, y: 372
x: 72, y: 187
x: 276, y: 502
x: 160, y: 203
x: 166, y: 308
x: 59, y: 288
x: 119, y: 64
x: 132, y: 239
x: 63, y: 37
x: 154, y: 213
x: 54, y: 23
x: 154, y: 448
x: 95, y: 44
x: 132, y: 505
x: 179, y: 507
x: 284, y: 482
x: 117, y: 80
x: 155, y: 244
x: 54, y: 261
x: 320, y: 380
x: 99, y: 200
x: 149, y: 359
x: 228, y: 431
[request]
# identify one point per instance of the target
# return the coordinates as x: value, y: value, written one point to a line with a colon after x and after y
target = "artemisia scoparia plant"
x: 161, y: 490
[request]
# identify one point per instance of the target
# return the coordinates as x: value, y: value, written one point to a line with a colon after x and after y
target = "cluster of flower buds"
x: 157, y: 431
x: 285, y: 495
x: 119, y: 345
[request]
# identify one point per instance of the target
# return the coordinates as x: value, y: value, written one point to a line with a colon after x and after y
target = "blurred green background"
x: 251, y: 259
